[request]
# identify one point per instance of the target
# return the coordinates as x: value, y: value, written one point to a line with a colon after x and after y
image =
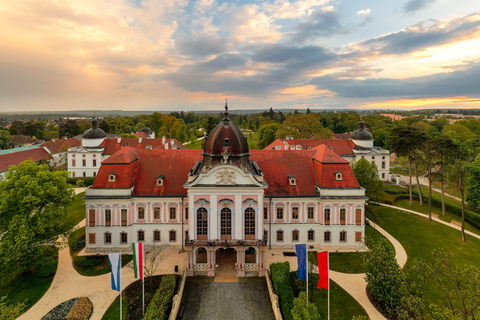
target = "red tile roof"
x: 21, y: 139
x: 141, y: 134
x: 112, y: 145
x: 15, y: 158
x: 141, y: 168
x: 341, y: 147
x: 61, y: 144
x: 341, y: 136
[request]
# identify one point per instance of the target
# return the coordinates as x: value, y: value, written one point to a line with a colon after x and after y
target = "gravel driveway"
x: 244, y: 300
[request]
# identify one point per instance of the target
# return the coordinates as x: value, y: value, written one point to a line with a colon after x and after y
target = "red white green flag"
x: 138, y: 259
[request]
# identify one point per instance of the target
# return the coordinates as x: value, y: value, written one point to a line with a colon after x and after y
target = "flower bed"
x: 76, y: 308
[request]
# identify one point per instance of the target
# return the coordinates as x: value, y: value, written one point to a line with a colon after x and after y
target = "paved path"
x: 454, y: 226
x: 246, y: 299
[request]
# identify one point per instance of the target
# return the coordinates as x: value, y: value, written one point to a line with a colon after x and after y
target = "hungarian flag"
x: 323, y: 269
x: 137, y: 248
x: 301, y: 250
x: 114, y: 259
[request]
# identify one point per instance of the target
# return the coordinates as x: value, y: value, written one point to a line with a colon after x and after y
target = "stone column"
x: 261, y: 262
x: 190, y: 265
x: 211, y: 262
x: 240, y: 262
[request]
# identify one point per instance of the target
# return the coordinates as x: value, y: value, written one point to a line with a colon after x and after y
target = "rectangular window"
x: 279, y: 236
x: 358, y: 236
x: 327, y: 237
x: 310, y: 213
x: 343, y: 236
x: 383, y: 165
x: 94, y: 174
x: 156, y: 235
x: 265, y: 235
x: 73, y: 174
x: 327, y: 216
x: 84, y: 174
x: 295, y: 235
x: 123, y: 237
x: 311, y: 235
x: 265, y: 213
x: 108, y: 217
x: 141, y: 213
x: 141, y: 235
x: 73, y: 163
x: 91, y: 238
x: 343, y: 215
x: 156, y: 213
x: 91, y: 218
x: 280, y: 214
x: 295, y: 213
x: 173, y: 213
x: 186, y: 213
x: 173, y: 235
x: 124, y: 217
x: 383, y: 175
x: 358, y: 217
x: 108, y: 238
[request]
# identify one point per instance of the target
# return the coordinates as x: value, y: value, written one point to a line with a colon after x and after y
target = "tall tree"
x: 5, y: 139
x: 300, y: 126
x: 473, y: 188
x: 405, y: 140
x: 445, y: 149
x: 69, y: 129
x: 32, y: 213
x: 266, y: 134
x: 367, y: 176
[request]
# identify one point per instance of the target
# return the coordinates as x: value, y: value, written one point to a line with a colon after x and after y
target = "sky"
x: 185, y: 55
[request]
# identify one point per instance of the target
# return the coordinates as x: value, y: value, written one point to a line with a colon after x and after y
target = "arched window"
x: 94, y: 162
x: 73, y: 162
x: 226, y: 224
x: 202, y: 224
x: 250, y: 224
x: 84, y: 162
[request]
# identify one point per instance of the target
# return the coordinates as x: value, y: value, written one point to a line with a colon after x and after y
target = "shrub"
x: 47, y: 266
x: 283, y: 288
x: 396, y: 191
x: 88, y: 262
x: 157, y: 309
x: 386, y: 201
x: 81, y: 310
x: 87, y: 180
x: 78, y: 244
x: 80, y: 182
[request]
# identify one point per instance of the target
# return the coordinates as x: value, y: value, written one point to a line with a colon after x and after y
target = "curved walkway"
x: 454, y: 226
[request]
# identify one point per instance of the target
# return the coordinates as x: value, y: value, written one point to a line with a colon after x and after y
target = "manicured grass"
x: 195, y: 145
x: 102, y: 265
x: 342, y: 305
x: 76, y: 210
x: 419, y: 237
x: 351, y: 262
x: 113, y: 312
x: 28, y: 288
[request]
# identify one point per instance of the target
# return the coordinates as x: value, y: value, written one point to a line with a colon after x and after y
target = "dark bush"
x: 78, y: 244
x: 88, y: 262
x: 157, y: 309
x: 88, y: 180
x: 386, y: 201
x: 47, y: 266
x: 283, y: 288
x: 396, y: 191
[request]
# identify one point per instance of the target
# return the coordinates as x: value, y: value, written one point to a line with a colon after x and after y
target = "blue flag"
x: 114, y: 259
x: 301, y: 250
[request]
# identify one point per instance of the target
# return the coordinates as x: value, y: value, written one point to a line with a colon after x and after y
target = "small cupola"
x: 338, y: 176
x: 112, y: 177
x: 160, y: 181
x: 292, y: 180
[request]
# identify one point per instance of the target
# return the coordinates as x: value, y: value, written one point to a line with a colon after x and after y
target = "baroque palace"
x: 225, y: 200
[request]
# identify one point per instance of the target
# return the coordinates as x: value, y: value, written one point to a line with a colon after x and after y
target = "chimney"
x: 165, y: 145
x: 53, y: 139
x: 140, y: 140
x: 163, y: 139
x: 94, y: 124
x: 172, y: 141
x: 119, y: 140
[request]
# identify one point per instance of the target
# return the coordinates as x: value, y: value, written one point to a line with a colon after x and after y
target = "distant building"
x: 58, y: 150
x: 21, y: 141
x: 394, y: 117
x: 14, y: 158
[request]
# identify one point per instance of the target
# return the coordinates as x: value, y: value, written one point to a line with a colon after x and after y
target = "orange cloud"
x: 465, y: 102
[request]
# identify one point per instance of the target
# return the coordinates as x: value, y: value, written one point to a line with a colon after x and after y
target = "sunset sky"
x: 188, y: 55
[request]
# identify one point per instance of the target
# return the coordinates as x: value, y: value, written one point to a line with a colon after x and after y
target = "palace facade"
x: 225, y: 198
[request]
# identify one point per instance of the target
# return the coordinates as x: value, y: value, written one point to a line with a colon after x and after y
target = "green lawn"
x: 113, y: 312
x: 195, y: 145
x: 252, y: 138
x: 76, y: 210
x: 351, y: 262
x: 419, y: 237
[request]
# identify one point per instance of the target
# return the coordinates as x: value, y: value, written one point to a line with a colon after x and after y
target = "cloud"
x: 363, y: 12
x: 415, y: 5
x: 321, y: 23
x: 198, y: 46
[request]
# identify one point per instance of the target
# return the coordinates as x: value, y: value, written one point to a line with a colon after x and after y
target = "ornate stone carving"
x: 225, y: 155
x: 225, y: 177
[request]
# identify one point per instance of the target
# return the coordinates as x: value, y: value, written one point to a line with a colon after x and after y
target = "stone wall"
x: 273, y: 298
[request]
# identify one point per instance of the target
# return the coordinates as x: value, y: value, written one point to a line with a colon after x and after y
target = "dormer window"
x: 299, y: 147
x: 226, y: 142
x: 112, y: 177
x: 338, y: 176
x: 292, y: 180
x: 160, y: 181
x: 148, y: 147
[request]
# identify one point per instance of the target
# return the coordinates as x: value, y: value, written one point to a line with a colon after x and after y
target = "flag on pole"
x: 138, y: 259
x: 323, y: 269
x: 301, y: 250
x: 114, y: 259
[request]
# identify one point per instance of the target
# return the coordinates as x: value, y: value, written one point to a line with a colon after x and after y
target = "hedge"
x: 396, y: 191
x: 88, y: 180
x: 283, y: 288
x: 162, y: 299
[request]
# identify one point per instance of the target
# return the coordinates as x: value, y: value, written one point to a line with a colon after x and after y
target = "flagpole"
x: 143, y: 282
x: 328, y: 268
x: 306, y: 254
x: 120, y: 274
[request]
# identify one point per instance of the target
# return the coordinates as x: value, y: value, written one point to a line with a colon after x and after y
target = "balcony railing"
x: 225, y: 243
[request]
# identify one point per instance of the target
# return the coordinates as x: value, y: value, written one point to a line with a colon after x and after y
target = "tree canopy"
x: 367, y: 176
x: 32, y: 212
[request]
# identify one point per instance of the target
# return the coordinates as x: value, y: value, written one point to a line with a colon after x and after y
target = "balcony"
x: 225, y: 243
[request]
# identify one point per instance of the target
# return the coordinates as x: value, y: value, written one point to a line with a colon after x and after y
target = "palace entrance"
x: 226, y: 259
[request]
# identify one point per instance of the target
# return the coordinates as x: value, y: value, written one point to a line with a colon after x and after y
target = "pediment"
x: 225, y: 175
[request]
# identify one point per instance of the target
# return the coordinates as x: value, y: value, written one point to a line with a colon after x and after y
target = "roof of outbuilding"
x: 14, y: 159
x: 113, y: 145
x: 341, y: 147
x: 61, y: 144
